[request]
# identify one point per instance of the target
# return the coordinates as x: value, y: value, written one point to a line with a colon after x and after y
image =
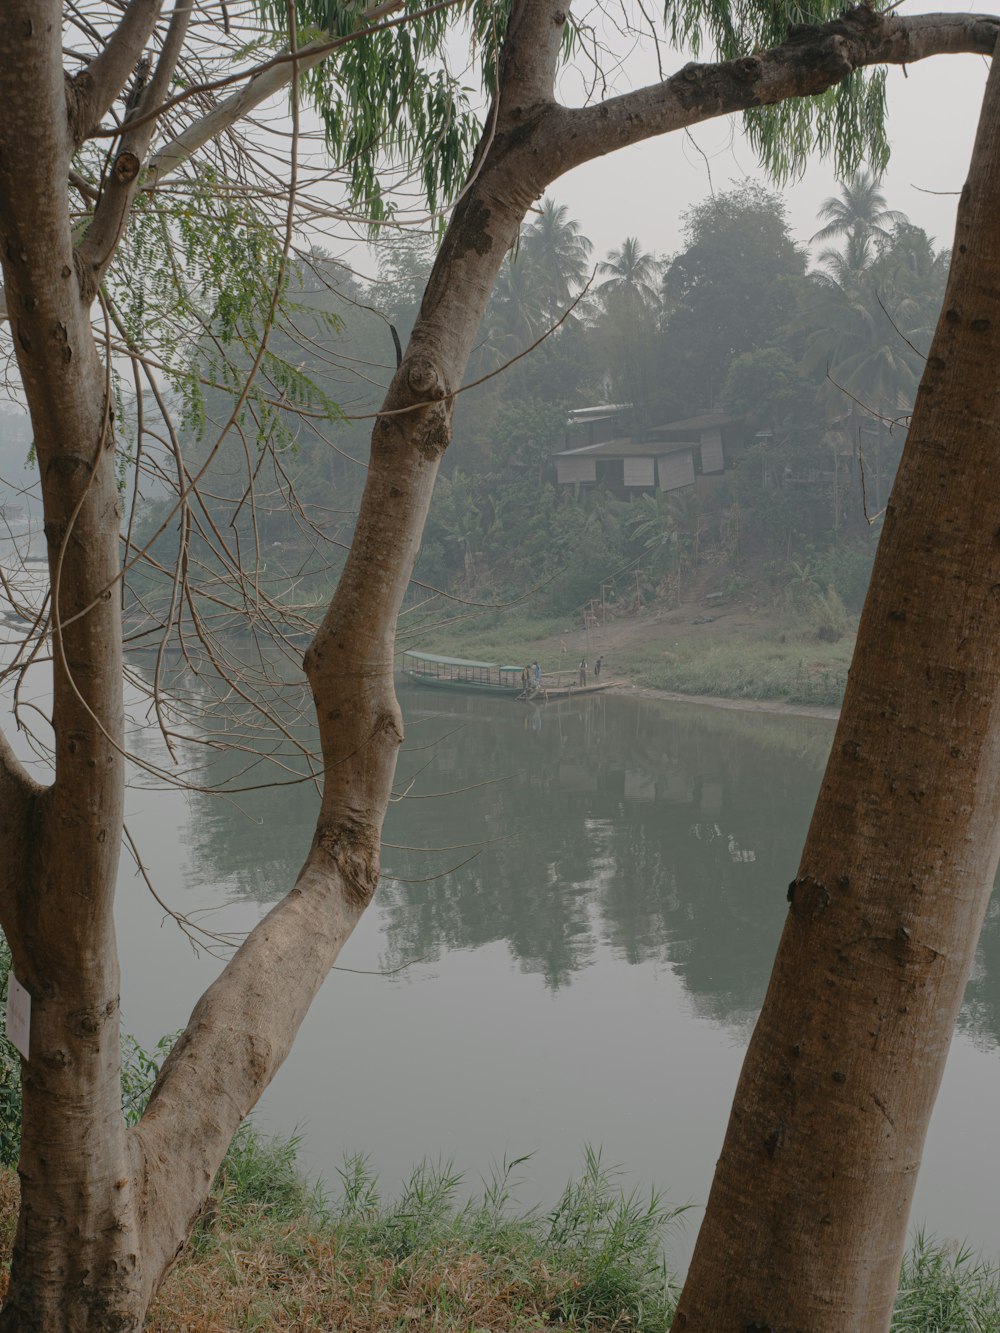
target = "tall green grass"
x: 602, y: 1247
x: 429, y: 1259
x: 946, y: 1291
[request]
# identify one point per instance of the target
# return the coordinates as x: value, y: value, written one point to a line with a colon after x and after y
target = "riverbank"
x: 272, y: 1252
x: 731, y: 655
x: 781, y: 707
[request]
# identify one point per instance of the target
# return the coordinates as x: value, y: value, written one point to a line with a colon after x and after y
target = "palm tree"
x: 633, y: 274
x: 872, y: 321
x: 560, y: 254
x: 849, y: 265
x: 518, y: 310
x: 860, y: 212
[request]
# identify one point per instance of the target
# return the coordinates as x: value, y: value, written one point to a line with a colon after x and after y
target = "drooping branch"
x: 815, y: 57
x: 92, y: 91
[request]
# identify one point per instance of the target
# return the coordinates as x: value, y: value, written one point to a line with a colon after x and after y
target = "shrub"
x: 829, y: 616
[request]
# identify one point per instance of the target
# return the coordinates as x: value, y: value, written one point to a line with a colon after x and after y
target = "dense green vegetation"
x: 820, y: 363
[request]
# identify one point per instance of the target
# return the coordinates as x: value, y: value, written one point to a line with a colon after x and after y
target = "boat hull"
x: 459, y: 686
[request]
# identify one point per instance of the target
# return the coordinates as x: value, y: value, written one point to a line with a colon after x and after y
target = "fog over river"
x: 571, y: 941
x: 579, y: 962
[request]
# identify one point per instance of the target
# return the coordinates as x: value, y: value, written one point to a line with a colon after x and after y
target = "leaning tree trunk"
x: 806, y: 1221
x: 104, y: 1211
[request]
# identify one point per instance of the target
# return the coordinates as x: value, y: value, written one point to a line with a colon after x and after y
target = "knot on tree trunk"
x: 352, y: 845
x: 425, y: 379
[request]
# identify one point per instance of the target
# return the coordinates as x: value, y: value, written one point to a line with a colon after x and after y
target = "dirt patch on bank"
x: 693, y: 625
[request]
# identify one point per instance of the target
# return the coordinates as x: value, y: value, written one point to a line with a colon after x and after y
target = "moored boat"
x: 458, y: 673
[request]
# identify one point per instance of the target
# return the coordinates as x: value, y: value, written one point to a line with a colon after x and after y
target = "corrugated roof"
x: 458, y: 661
x: 599, y: 410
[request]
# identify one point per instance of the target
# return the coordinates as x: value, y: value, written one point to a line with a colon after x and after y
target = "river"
x: 578, y: 961
x: 570, y: 944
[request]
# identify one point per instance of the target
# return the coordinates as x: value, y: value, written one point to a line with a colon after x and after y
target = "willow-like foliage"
x: 388, y: 98
x: 847, y: 122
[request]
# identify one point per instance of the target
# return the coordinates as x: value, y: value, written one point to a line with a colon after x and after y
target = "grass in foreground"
x: 273, y: 1252
x: 268, y: 1259
x: 946, y: 1292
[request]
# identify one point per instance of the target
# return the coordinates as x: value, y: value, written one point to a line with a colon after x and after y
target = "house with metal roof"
x: 666, y: 457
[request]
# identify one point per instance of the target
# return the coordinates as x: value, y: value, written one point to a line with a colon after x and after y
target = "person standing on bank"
x: 597, y: 669
x: 583, y: 671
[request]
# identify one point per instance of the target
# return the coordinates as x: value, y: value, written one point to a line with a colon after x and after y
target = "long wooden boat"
x: 458, y: 673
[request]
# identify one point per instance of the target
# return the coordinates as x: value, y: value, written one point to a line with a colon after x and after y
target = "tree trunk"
x: 806, y: 1221
x: 104, y: 1211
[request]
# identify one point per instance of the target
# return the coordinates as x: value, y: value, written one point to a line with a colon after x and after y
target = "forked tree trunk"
x: 105, y: 1212
x: 806, y: 1221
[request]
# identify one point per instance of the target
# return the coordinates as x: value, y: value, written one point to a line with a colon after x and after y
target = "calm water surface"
x: 577, y: 959
x: 574, y: 934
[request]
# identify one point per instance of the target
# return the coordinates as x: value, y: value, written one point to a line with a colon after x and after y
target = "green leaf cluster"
x: 386, y: 97
x: 847, y: 121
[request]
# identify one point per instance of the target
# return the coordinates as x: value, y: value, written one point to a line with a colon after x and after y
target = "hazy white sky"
x: 642, y: 191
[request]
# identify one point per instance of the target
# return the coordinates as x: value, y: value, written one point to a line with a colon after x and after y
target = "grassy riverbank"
x: 274, y: 1252
x: 732, y: 651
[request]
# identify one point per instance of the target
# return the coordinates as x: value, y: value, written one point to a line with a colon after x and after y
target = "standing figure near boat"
x: 583, y: 671
x: 597, y: 669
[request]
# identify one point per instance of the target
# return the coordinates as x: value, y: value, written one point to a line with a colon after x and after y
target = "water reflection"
x: 652, y: 831
x: 613, y: 930
x: 666, y: 833
x: 655, y: 833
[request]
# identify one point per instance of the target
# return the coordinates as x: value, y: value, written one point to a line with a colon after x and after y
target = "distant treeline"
x: 820, y: 362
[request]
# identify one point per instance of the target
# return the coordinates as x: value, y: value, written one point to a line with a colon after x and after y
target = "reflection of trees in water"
x: 660, y: 833
x: 653, y: 832
x: 249, y: 834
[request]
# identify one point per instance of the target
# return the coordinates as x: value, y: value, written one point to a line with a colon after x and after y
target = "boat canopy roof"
x: 457, y: 661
